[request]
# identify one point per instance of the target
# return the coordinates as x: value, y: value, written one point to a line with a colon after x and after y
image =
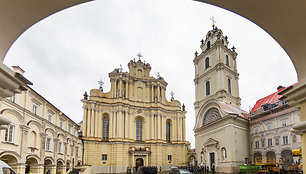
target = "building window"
x: 255, y: 129
x: 139, y: 130
x: 268, y: 126
x: 48, y: 144
x: 50, y: 117
x: 262, y: 143
x: 206, y: 62
x: 207, y: 84
x: 10, y: 134
x: 59, y: 147
x: 285, y: 140
x: 229, y: 86
x: 169, y: 157
x: 227, y: 60
x: 104, y: 157
x: 208, y: 45
x: 35, y: 108
x: 284, y: 123
x: 269, y: 142
x: 105, y: 128
x: 168, y: 131
x: 61, y: 124
x: 69, y: 128
x: 256, y: 144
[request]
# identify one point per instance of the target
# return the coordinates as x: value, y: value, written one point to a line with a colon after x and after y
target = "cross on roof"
x: 213, y: 21
x: 139, y: 56
x: 172, y: 94
x: 101, y: 83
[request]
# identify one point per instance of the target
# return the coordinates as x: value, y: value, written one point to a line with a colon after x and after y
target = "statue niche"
x: 211, y: 115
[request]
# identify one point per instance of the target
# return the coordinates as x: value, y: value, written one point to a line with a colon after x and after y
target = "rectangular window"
x: 256, y: 144
x: 48, y: 144
x: 269, y: 142
x: 59, y: 147
x: 169, y: 157
x: 284, y: 123
x: 229, y: 86
x: 104, y: 157
x: 69, y: 128
x: 255, y: 129
x: 277, y: 141
x: 50, y: 117
x: 35, y: 108
x: 10, y: 134
x: 285, y: 140
x: 61, y: 124
x: 262, y: 143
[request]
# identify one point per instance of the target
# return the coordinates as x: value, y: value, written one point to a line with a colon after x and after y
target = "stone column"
x: 88, y: 122
x: 158, y: 93
x: 152, y: 92
x: 55, y: 144
x: 127, y: 90
x: 92, y: 122
x: 100, y: 123
x: 162, y: 129
x: 120, y: 123
x: 43, y: 145
x: 24, y: 142
x: 115, y: 89
x: 96, y: 122
x: 158, y: 127
x: 85, y: 122
x: 113, y: 124
x: 184, y: 129
x: 152, y: 126
x: 126, y: 124
x: 120, y: 86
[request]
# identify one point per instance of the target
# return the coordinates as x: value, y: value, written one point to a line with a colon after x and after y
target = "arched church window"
x: 227, y: 60
x: 168, y: 128
x: 206, y: 62
x: 138, y: 130
x: 207, y: 84
x: 229, y: 86
x: 105, y: 128
x: 211, y: 115
x: 208, y: 45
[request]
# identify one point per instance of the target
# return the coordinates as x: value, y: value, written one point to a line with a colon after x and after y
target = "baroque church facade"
x: 133, y: 124
x: 221, y: 128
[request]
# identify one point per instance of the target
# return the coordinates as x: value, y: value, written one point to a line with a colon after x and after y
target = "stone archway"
x: 60, y: 168
x: 47, y: 166
x: 32, y: 166
x: 11, y: 161
x: 256, y: 155
x: 287, y: 156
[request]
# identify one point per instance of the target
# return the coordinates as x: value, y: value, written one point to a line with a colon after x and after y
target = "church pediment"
x: 210, y: 142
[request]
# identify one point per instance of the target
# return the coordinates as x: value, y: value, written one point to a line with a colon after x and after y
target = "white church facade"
x: 221, y: 128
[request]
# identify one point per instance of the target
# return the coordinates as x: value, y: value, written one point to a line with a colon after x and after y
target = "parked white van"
x: 5, y: 168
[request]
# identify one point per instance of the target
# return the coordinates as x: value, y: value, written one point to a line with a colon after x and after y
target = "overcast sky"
x: 67, y: 53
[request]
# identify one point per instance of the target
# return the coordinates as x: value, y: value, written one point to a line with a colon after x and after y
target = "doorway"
x: 212, y: 159
x: 139, y: 163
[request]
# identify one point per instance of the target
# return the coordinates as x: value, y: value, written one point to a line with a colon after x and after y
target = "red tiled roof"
x: 272, y: 98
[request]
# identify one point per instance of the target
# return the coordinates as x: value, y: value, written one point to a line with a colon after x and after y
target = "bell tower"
x: 216, y: 75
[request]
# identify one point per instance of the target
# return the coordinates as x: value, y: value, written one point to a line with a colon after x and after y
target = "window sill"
x: 12, y: 143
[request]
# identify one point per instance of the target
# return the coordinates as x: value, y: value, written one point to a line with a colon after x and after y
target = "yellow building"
x: 40, y: 138
x: 133, y: 124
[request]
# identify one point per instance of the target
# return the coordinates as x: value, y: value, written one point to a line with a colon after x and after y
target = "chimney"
x: 17, y: 69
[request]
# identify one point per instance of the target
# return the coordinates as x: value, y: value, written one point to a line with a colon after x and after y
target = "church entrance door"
x: 139, y: 163
x: 212, y: 159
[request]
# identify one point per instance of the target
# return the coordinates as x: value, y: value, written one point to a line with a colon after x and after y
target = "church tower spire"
x: 216, y: 75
